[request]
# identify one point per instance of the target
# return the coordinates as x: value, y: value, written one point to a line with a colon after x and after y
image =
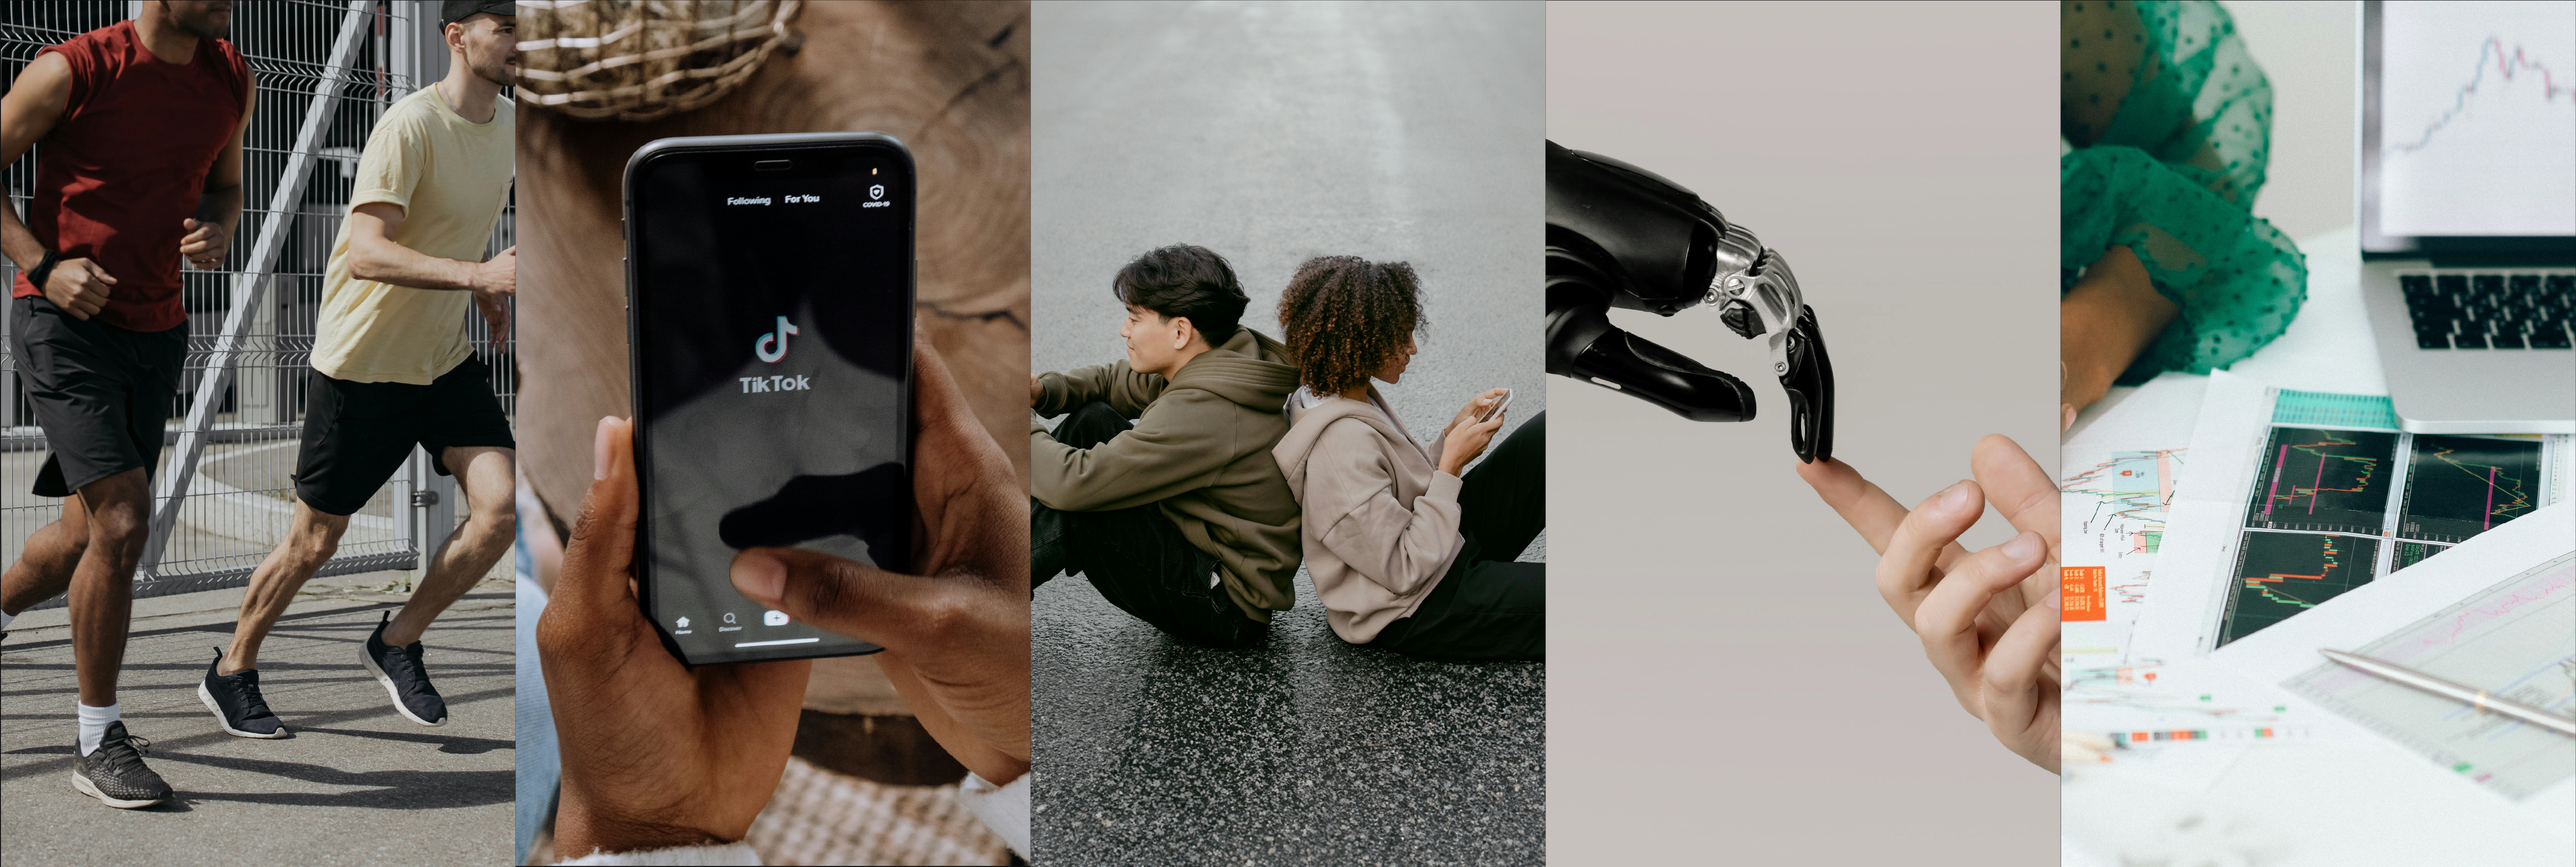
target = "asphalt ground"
x: 356, y: 783
x: 1272, y: 134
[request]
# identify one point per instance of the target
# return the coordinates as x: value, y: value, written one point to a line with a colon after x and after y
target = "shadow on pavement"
x: 298, y: 722
x: 390, y: 790
x: 446, y: 744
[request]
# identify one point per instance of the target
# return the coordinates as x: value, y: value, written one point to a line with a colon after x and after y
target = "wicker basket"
x: 642, y: 59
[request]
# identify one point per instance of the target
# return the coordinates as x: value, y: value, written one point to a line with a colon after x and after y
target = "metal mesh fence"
x: 239, y: 499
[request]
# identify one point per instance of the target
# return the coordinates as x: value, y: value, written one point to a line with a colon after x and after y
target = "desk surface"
x: 2328, y: 346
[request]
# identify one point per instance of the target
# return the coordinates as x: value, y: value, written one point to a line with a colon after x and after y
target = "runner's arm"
x: 27, y: 113
x: 374, y: 255
x: 219, y: 208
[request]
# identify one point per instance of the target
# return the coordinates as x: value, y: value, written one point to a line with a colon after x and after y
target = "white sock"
x: 5, y: 617
x: 93, y: 724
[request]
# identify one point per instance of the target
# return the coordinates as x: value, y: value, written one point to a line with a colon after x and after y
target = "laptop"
x: 2468, y: 211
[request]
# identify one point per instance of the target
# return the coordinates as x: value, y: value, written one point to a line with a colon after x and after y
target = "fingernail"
x: 760, y: 577
x: 2065, y: 417
x: 1957, y: 497
x: 2022, y: 547
x: 2051, y: 601
x: 599, y: 459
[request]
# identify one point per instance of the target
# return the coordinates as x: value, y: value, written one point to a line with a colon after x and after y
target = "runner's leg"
x: 484, y: 474
x: 311, y: 538
x: 44, y: 569
x: 102, y: 588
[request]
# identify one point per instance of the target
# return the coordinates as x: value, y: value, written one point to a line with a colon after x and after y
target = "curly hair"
x: 1344, y: 317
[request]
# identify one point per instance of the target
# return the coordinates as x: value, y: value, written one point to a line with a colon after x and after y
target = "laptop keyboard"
x: 2483, y: 310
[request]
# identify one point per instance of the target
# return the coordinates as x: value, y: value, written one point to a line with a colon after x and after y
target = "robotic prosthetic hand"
x: 1619, y: 236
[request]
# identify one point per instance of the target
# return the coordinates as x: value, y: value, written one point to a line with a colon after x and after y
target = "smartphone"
x: 1495, y: 409
x: 769, y: 298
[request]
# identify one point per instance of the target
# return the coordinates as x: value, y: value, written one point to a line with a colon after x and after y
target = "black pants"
x: 356, y: 434
x: 99, y: 392
x: 1135, y: 557
x: 1489, y: 606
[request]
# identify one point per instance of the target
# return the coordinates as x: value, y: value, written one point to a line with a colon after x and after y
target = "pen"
x: 2437, y: 686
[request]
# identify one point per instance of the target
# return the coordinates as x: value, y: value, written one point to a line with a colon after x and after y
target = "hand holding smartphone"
x: 1495, y: 409
x: 769, y: 321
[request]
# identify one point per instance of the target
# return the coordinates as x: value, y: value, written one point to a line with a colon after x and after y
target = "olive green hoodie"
x: 1200, y: 449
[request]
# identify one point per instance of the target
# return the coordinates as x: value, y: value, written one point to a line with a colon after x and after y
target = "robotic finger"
x: 1620, y: 236
x: 1584, y: 345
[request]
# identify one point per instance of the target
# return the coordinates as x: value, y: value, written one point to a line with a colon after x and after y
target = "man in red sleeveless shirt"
x: 142, y: 128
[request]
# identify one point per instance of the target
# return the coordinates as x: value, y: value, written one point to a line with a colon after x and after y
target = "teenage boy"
x: 1181, y: 517
x: 142, y: 124
x: 391, y: 367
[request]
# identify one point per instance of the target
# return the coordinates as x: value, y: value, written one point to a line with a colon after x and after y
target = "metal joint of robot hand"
x: 1757, y: 292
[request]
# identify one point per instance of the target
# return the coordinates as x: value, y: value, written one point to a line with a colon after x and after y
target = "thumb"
x: 189, y: 223
x: 898, y: 612
x: 601, y: 554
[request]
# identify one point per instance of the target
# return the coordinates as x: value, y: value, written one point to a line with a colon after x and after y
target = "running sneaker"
x: 114, y: 773
x: 236, y: 702
x: 400, y: 670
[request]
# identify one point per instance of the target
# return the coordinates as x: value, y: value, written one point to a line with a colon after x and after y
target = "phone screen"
x: 770, y: 308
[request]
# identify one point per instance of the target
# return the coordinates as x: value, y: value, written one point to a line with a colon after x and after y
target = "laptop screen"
x: 2469, y: 124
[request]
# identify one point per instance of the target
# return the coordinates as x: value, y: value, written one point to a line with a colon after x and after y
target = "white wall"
x: 2311, y: 51
x: 1724, y: 684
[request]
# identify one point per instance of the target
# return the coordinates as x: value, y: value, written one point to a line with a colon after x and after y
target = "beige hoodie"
x: 1381, y: 519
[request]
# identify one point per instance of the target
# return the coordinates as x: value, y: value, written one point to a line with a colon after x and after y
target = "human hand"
x: 1037, y: 391
x: 1988, y: 620
x: 1475, y: 407
x: 2110, y: 317
x: 655, y: 754
x: 955, y: 630
x: 1465, y: 441
x: 79, y: 286
x: 205, y: 243
x: 493, y: 281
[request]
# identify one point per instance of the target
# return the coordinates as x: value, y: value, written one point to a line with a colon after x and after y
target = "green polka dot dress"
x: 2167, y: 124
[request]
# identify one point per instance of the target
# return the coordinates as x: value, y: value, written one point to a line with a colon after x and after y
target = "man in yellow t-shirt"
x: 391, y: 366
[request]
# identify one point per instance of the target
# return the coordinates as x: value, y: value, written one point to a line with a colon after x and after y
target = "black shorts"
x: 356, y: 434
x: 101, y: 393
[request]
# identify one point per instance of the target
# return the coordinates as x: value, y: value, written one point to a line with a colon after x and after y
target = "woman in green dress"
x: 2167, y: 129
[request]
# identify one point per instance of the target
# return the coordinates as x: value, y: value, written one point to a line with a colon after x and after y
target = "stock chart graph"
x: 2477, y: 118
x: 2516, y: 638
x: 2279, y: 575
x: 2496, y: 61
x: 2411, y: 553
x: 2458, y: 487
x: 2323, y: 481
x: 2130, y: 494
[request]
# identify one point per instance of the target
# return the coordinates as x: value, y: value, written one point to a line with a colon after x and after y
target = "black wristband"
x: 44, y: 268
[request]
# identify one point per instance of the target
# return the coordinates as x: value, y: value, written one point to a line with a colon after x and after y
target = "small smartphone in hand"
x: 1496, y: 408
x: 769, y: 299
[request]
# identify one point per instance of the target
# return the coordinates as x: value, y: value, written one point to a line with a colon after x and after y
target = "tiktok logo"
x: 773, y: 346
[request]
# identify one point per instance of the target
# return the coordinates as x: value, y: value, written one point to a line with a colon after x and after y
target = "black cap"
x: 453, y: 11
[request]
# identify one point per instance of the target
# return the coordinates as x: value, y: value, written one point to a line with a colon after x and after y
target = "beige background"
x: 2311, y: 52
x: 1725, y: 685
